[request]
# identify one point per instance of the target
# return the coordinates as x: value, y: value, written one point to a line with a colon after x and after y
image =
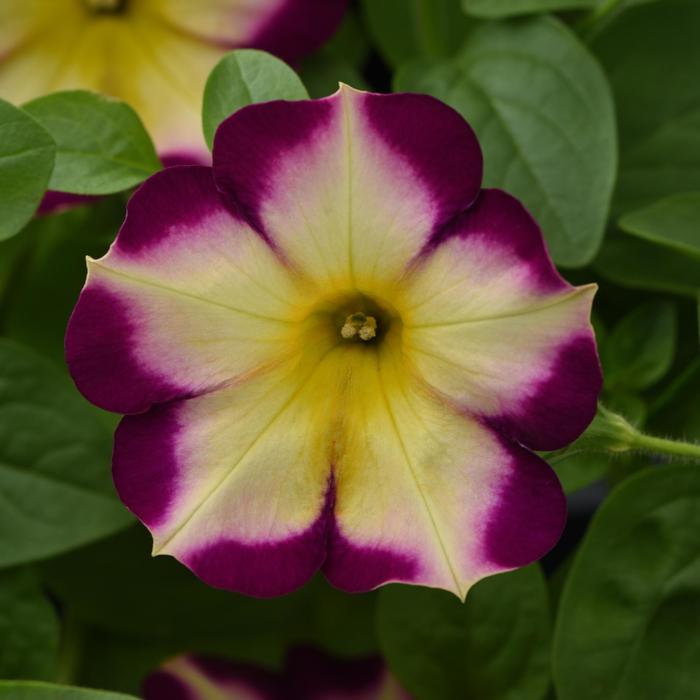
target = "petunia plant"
x: 387, y: 342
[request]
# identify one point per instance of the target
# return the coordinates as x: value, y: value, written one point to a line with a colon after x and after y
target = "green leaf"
x: 405, y: 31
x: 673, y: 222
x: 652, y: 55
x: 29, y: 690
x: 638, y: 264
x: 55, y: 459
x: 28, y: 628
x: 496, y: 9
x: 626, y: 620
x: 27, y: 155
x: 544, y: 116
x: 641, y: 348
x: 244, y: 77
x: 53, y: 272
x: 102, y: 144
x: 493, y: 647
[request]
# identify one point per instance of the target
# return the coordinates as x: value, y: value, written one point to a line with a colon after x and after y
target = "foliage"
x: 588, y: 111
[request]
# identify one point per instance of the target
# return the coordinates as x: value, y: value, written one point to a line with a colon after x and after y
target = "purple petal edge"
x: 437, y: 141
x: 263, y: 569
x: 177, y: 198
x: 502, y: 220
x: 149, y: 440
x: 248, y: 144
x: 54, y: 202
x: 530, y: 514
x: 162, y: 685
x: 315, y: 674
x: 299, y: 27
x: 223, y: 671
x: 98, y: 350
x: 358, y: 569
x: 563, y: 405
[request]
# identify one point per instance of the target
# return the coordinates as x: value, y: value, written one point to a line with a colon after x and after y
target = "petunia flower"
x: 154, y: 54
x: 307, y: 675
x: 338, y: 351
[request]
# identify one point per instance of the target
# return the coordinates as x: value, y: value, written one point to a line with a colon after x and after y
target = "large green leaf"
x: 55, y: 483
x: 28, y: 690
x: 652, y: 56
x: 627, y: 624
x: 508, y: 8
x: 641, y: 348
x: 639, y: 264
x: 544, y: 116
x: 408, y: 29
x: 493, y: 647
x: 102, y: 144
x: 27, y: 155
x: 28, y: 628
x: 673, y: 221
x: 244, y: 77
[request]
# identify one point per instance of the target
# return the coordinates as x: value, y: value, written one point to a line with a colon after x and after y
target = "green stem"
x: 610, y: 432
x: 663, y: 446
x: 70, y: 651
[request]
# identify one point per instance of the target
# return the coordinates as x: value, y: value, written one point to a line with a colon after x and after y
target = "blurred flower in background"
x: 153, y: 54
x: 307, y: 675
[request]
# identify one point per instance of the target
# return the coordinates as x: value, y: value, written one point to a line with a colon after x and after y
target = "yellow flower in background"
x: 154, y: 54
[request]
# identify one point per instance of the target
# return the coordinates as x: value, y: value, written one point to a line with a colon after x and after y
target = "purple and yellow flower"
x: 308, y: 675
x: 338, y: 352
x: 154, y: 54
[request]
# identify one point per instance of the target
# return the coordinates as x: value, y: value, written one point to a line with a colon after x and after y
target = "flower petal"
x: 350, y: 187
x: 188, y: 298
x: 235, y: 483
x: 286, y: 28
x: 316, y: 676
x: 491, y: 325
x: 191, y: 677
x: 307, y: 675
x: 424, y: 496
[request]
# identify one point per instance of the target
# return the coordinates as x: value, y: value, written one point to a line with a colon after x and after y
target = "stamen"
x: 364, y: 327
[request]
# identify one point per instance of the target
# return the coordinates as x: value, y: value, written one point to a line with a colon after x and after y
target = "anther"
x: 359, y: 325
